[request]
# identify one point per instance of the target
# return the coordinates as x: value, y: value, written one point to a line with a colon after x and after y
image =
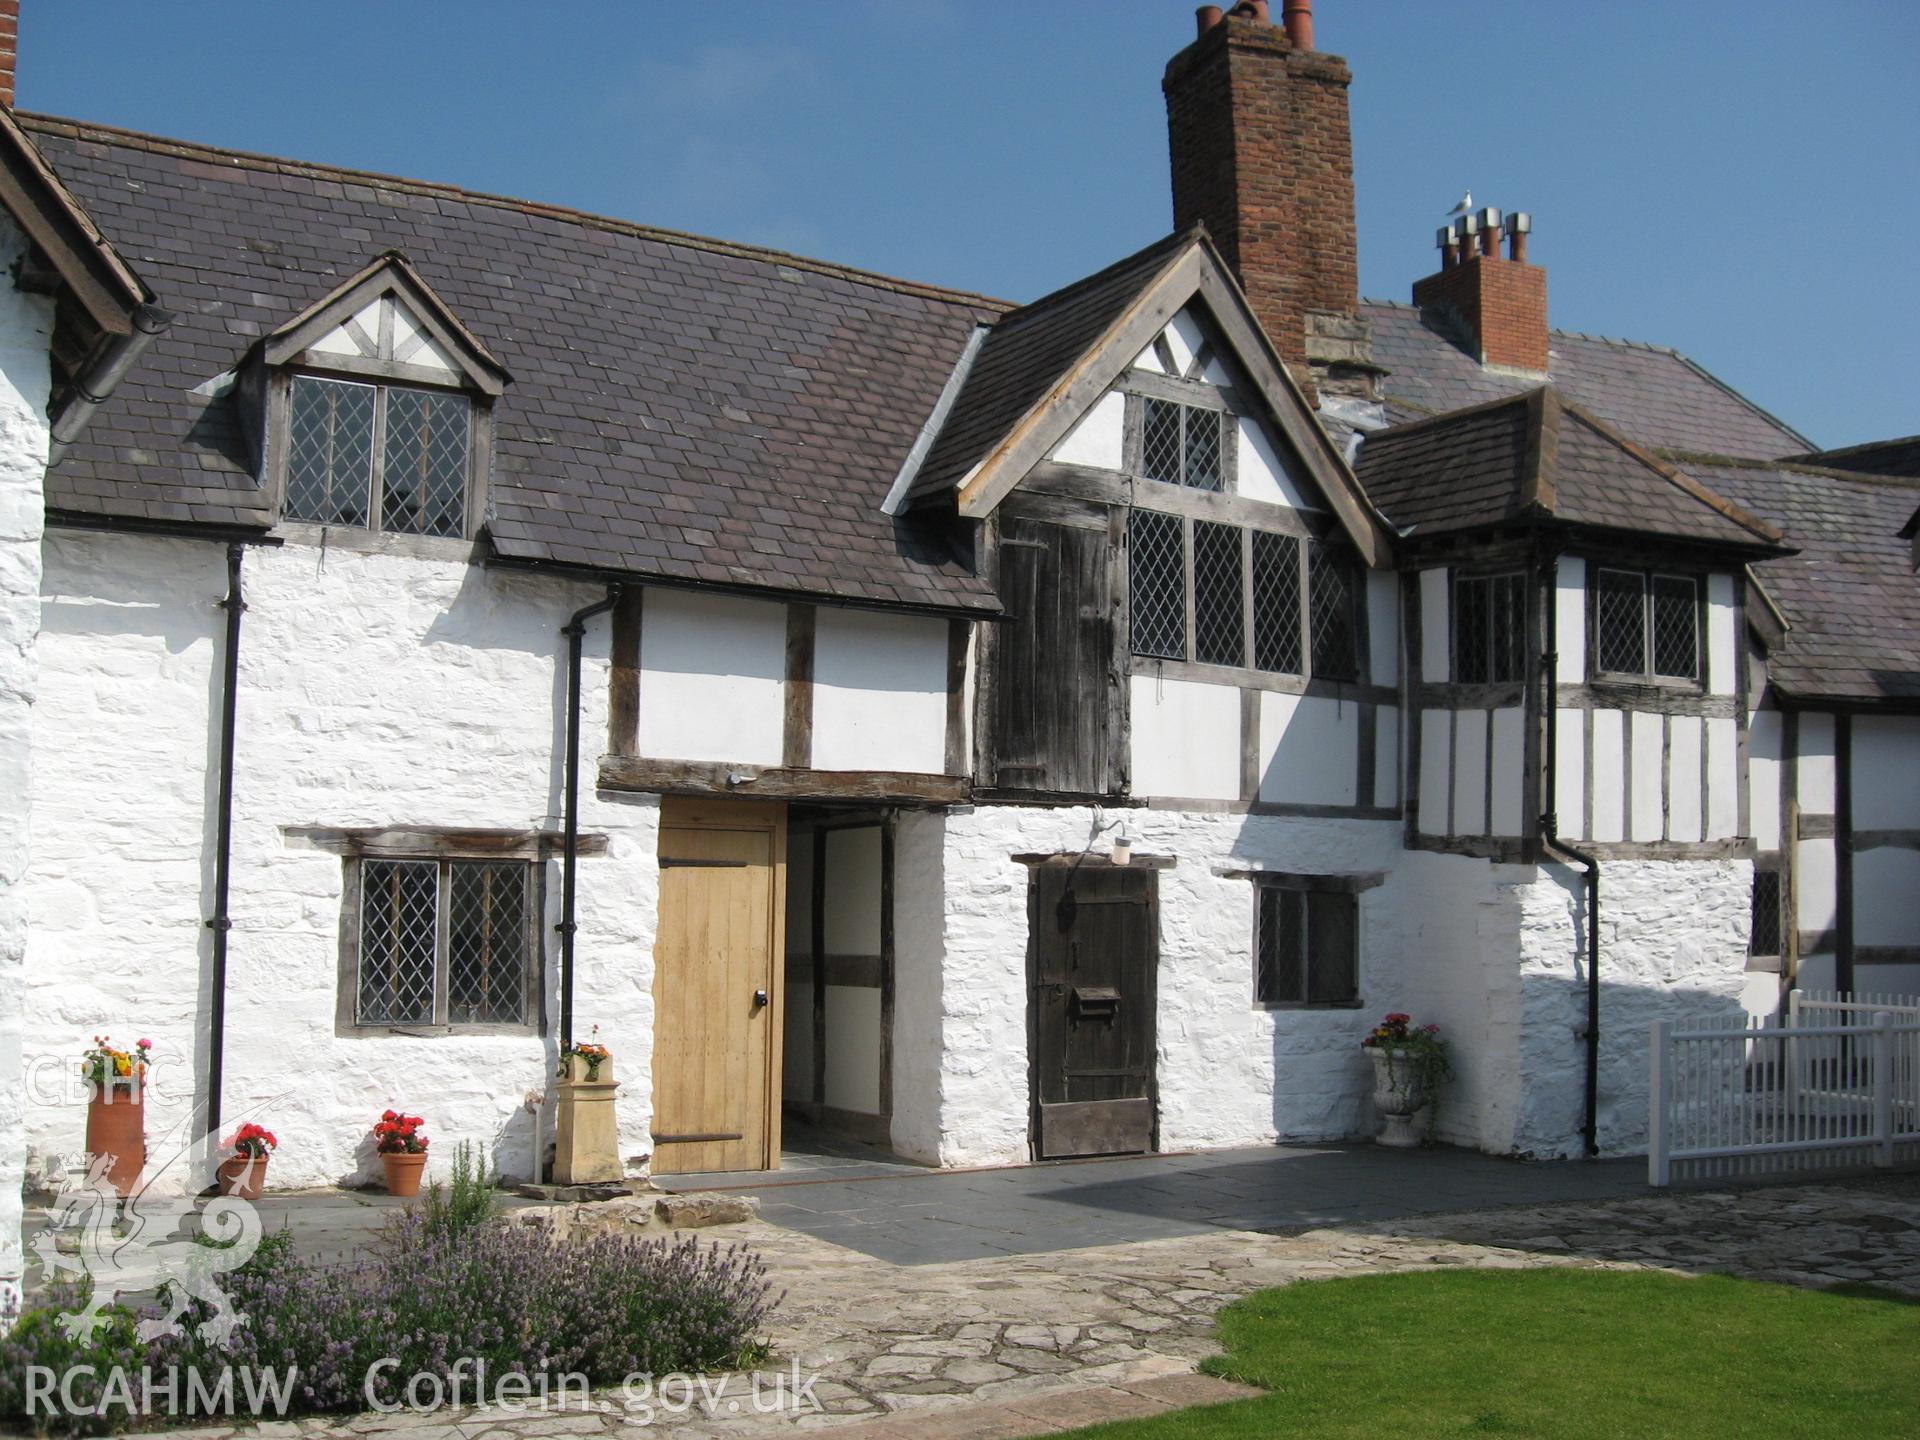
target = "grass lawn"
x: 1584, y: 1353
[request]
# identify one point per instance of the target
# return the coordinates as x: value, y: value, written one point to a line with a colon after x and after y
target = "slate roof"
x: 1850, y: 596
x: 1535, y: 456
x: 1028, y: 352
x: 680, y: 408
x: 1877, y: 457
x: 1658, y: 397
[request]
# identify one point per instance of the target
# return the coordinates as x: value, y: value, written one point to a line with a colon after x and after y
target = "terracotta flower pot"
x: 404, y: 1172
x: 243, y: 1176
x: 117, y: 1126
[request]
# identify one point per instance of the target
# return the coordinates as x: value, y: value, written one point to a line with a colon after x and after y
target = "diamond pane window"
x: 1766, y: 937
x: 1157, y: 583
x: 1620, y: 622
x: 1330, y: 608
x: 1183, y: 445
x: 398, y: 906
x: 1219, y: 603
x: 1203, y: 449
x: 1306, y: 946
x: 413, y: 483
x: 1676, y: 627
x: 424, y: 490
x: 1160, y: 442
x: 1489, y: 629
x: 446, y: 942
x: 329, y: 451
x: 486, y: 942
x: 1276, y: 602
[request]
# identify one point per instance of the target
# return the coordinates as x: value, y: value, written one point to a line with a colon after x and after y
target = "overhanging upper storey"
x: 1044, y: 368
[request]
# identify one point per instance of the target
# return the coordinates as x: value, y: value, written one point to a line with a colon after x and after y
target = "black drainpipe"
x: 574, y: 630
x: 235, y: 605
x: 1549, y: 824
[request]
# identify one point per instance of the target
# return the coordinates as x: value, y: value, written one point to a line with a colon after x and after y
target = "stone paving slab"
x: 930, y: 1217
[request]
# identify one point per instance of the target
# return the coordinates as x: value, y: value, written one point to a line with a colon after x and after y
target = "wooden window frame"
x: 1771, y: 866
x: 1189, y: 396
x: 1648, y: 577
x: 476, y: 500
x: 528, y: 859
x: 1267, y: 883
x: 1357, y: 619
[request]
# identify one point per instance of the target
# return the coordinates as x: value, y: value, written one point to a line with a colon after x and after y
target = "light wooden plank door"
x: 716, y: 1011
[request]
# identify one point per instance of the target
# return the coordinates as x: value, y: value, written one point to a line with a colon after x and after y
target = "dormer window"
x: 381, y: 457
x: 378, y: 410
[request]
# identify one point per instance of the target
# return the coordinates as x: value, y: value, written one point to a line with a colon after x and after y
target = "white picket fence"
x: 1834, y: 1086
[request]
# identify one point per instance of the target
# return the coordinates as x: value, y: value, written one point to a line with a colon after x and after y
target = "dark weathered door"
x: 1093, y: 962
x: 1052, y: 684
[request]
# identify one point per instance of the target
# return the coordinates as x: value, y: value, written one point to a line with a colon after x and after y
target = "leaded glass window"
x: 1276, y: 602
x: 1489, y: 628
x: 1157, y: 582
x: 1306, y: 946
x: 1766, y: 936
x: 1182, y: 445
x: 356, y: 452
x: 1331, y: 601
x: 1646, y: 626
x: 1219, y: 600
x: 445, y: 942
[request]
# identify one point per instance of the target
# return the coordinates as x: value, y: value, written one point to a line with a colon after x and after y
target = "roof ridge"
x: 279, y: 164
x: 1862, y: 447
x: 1021, y: 314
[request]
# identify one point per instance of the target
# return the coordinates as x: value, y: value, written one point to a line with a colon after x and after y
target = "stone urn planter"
x: 1409, y: 1062
x: 243, y: 1176
x: 403, y: 1173
x: 1400, y: 1095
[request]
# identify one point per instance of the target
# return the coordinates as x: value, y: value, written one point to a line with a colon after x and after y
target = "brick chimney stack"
x: 9, y: 47
x: 1496, y: 303
x: 1263, y: 155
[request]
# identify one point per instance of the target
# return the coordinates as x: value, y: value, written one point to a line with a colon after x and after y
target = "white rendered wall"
x: 712, y: 672
x: 1097, y: 438
x: 1765, y: 737
x: 1815, y: 764
x: 920, y: 917
x: 374, y: 691
x: 879, y: 692
x: 1386, y: 756
x: 1186, y: 739
x: 1722, y: 629
x: 26, y: 332
x: 1886, y: 772
x: 852, y: 927
x: 1383, y: 627
x: 1435, y: 652
x: 1309, y: 749
x: 1436, y: 755
x: 1508, y: 780
x: 1570, y: 779
x: 1570, y: 620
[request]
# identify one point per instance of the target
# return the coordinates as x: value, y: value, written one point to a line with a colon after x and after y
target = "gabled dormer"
x: 372, y: 410
x: 1182, y: 552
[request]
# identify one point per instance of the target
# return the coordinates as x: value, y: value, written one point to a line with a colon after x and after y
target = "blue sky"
x: 1738, y: 180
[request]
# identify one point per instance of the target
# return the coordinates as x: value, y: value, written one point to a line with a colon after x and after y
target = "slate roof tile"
x: 647, y: 366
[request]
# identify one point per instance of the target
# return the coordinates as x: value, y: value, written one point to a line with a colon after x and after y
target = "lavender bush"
x: 505, y: 1295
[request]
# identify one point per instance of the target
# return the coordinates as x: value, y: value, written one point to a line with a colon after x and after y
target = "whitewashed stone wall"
x: 1494, y: 954
x: 26, y: 332
x: 374, y: 690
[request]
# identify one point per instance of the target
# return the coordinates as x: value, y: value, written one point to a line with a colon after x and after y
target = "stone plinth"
x: 586, y: 1147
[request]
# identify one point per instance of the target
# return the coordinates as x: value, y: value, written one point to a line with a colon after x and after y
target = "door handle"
x: 759, y: 999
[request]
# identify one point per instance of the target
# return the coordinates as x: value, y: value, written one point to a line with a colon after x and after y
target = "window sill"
x: 1309, y: 1004
x: 357, y: 540
x: 435, y: 1032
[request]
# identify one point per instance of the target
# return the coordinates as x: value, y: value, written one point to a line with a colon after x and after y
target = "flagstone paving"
x: 1019, y: 1345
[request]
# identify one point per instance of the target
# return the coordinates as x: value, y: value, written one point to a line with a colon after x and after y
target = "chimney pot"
x: 1499, y: 310
x: 1297, y: 16
x: 1519, y: 226
x: 1490, y: 232
x: 1208, y: 16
